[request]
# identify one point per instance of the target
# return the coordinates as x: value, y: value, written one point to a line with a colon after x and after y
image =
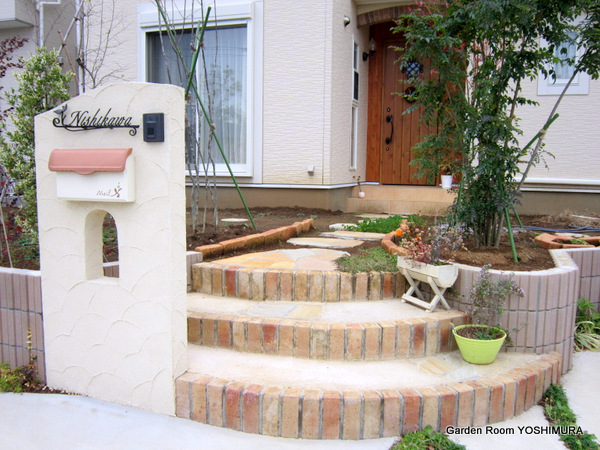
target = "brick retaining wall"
x: 362, y: 414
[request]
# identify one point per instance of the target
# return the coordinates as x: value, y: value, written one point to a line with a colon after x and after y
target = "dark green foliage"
x: 426, y: 439
x: 371, y: 260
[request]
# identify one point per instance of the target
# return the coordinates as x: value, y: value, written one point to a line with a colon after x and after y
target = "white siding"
x: 574, y: 138
x: 296, y: 39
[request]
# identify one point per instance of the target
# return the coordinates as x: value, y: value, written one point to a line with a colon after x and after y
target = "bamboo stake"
x: 204, y: 112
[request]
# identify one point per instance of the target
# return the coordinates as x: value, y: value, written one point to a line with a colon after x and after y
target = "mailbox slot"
x: 105, y: 175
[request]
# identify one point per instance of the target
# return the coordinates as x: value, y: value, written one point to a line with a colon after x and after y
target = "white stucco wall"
x: 123, y: 339
x: 573, y: 139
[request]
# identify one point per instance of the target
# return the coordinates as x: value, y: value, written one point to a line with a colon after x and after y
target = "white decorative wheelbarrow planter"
x: 439, y: 278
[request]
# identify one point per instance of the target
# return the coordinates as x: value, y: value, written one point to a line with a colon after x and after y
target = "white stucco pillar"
x: 121, y: 339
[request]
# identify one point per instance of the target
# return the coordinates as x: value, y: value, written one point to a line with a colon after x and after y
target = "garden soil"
x: 531, y: 257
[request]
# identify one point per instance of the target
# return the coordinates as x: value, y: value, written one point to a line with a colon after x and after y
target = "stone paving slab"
x: 323, y: 242
x: 292, y: 259
x: 331, y: 312
x: 307, y: 373
x: 354, y: 235
x: 234, y: 221
x: 340, y: 226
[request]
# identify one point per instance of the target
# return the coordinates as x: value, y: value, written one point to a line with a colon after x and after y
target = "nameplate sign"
x: 83, y: 120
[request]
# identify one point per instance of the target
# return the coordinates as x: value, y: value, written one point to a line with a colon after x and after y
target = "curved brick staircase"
x: 358, y: 364
x: 271, y: 375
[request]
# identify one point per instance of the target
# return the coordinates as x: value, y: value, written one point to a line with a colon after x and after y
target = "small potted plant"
x: 480, y: 341
x: 446, y: 174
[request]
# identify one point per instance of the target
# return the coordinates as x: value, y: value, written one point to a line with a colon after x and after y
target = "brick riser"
x: 407, y: 338
x: 362, y: 414
x: 295, y: 285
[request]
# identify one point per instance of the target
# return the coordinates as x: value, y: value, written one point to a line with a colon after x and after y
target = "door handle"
x: 390, y: 119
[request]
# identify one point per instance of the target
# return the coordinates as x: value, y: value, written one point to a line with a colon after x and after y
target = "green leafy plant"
x: 41, y: 86
x: 578, y: 241
x: 558, y: 412
x: 370, y: 260
x: 426, y: 439
x: 487, y: 298
x: 17, y: 379
x: 378, y: 225
x: 587, y: 326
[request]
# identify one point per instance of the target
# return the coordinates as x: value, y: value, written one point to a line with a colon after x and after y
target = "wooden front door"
x: 392, y: 134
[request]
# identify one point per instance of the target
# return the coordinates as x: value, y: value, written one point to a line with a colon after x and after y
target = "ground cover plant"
x: 369, y: 260
x: 559, y: 414
x: 385, y: 224
x: 426, y: 439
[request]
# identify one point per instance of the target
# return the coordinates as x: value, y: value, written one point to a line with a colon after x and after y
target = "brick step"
x: 339, y: 331
x: 308, y: 399
x: 295, y: 285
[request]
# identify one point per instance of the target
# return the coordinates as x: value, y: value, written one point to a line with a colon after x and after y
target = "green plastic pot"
x: 478, y: 351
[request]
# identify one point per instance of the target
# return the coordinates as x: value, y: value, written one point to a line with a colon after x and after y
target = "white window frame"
x: 547, y: 85
x: 249, y: 14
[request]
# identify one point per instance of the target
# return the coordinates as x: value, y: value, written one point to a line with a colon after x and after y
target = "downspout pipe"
x: 40, y: 7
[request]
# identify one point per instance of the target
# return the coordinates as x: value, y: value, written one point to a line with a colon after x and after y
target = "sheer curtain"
x: 222, y: 85
x: 225, y: 82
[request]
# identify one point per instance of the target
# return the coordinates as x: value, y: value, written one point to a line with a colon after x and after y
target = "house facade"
x: 49, y: 24
x: 306, y: 104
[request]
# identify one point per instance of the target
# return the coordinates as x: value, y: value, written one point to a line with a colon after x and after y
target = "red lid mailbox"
x: 96, y: 174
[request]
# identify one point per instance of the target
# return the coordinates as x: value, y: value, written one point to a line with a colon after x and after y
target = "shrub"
x: 41, y: 87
